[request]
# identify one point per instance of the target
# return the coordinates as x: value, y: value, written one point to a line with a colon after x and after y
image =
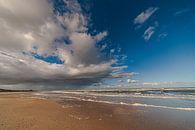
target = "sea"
x: 179, y: 99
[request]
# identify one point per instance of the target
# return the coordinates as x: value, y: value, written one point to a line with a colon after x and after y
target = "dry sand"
x: 19, y: 111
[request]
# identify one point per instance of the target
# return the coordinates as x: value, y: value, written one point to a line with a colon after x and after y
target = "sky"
x: 74, y: 44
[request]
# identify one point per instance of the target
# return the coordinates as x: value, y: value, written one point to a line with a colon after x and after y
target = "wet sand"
x: 21, y: 111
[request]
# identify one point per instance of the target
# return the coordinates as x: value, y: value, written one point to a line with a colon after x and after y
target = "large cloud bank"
x: 30, y: 27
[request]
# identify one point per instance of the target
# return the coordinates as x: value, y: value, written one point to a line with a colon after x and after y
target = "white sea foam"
x: 165, y: 96
x: 66, y: 106
x: 138, y: 95
x: 121, y: 103
x: 139, y: 105
x: 136, y: 104
x: 166, y: 107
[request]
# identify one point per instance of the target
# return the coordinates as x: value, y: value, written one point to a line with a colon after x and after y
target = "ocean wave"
x: 166, y: 107
x: 140, y: 105
x: 137, y: 95
x: 137, y: 104
x: 64, y: 97
x: 134, y: 104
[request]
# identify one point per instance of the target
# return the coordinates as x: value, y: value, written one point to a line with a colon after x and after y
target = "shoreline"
x: 23, y: 111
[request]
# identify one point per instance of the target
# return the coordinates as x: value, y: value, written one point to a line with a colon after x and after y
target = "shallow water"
x: 165, y: 98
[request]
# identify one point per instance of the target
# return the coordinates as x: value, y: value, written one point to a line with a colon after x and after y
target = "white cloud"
x: 112, y: 50
x: 131, y: 81
x: 119, y: 74
x: 162, y: 35
x: 145, y: 15
x: 26, y: 24
x: 181, y: 11
x: 31, y: 26
x: 148, y: 33
x: 16, y: 67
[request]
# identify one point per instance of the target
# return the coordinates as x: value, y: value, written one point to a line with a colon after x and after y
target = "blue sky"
x: 86, y: 42
x: 168, y: 55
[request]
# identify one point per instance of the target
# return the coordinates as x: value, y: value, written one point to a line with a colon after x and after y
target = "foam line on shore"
x: 122, y: 103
